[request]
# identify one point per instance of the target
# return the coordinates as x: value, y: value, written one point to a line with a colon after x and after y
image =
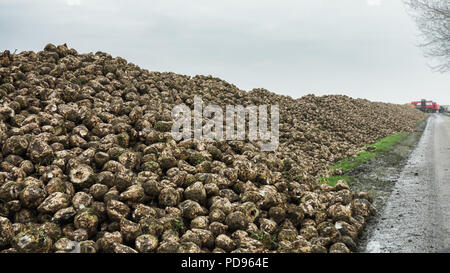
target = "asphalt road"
x: 417, y: 214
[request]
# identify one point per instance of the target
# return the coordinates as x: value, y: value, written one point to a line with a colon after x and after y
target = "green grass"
x: 380, y: 147
x: 334, y: 179
x: 178, y: 226
x: 271, y: 241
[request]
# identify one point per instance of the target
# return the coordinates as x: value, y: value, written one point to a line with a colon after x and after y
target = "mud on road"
x: 411, y: 189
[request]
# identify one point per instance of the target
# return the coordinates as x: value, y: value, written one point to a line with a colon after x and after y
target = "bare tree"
x: 433, y: 20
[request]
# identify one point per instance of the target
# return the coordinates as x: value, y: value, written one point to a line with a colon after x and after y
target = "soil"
x: 379, y: 178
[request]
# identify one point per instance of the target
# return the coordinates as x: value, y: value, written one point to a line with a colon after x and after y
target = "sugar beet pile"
x: 88, y: 163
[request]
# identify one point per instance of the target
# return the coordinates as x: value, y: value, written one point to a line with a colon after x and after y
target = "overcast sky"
x: 360, y: 48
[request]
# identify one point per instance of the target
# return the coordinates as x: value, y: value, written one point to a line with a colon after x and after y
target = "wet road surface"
x: 416, y: 217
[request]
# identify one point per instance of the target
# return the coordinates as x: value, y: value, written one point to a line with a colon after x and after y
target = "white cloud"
x: 73, y: 2
x: 373, y: 2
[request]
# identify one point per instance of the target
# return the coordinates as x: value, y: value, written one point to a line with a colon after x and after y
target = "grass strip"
x: 371, y: 152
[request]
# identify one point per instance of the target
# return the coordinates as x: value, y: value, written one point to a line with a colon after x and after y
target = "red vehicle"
x: 426, y: 106
x: 436, y: 108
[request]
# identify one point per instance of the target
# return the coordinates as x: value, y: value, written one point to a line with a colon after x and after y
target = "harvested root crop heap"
x: 88, y: 163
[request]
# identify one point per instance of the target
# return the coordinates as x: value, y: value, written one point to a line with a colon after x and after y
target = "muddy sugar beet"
x: 89, y: 164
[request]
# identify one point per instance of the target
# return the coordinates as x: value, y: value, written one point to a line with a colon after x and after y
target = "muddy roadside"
x: 378, y: 177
